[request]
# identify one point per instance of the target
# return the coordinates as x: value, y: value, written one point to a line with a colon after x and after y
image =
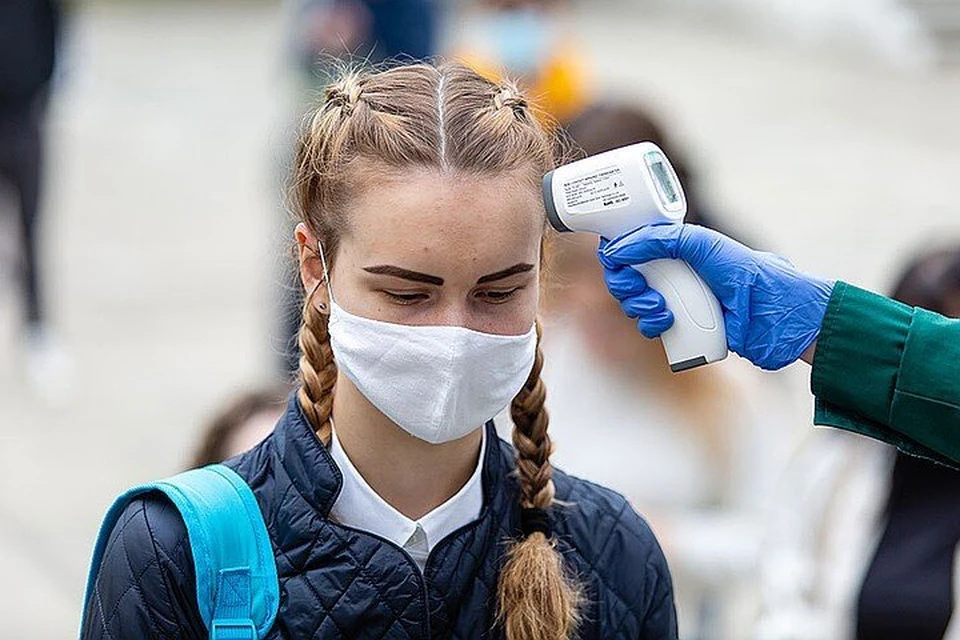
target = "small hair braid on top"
x: 509, y: 97
x: 318, y: 370
x: 344, y: 94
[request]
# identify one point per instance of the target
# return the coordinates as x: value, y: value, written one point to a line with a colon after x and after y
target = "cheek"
x: 349, y: 291
x: 513, y: 318
x: 529, y: 306
x: 356, y: 299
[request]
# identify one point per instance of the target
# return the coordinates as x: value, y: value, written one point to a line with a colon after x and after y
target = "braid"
x: 537, y: 600
x: 344, y: 94
x: 507, y: 96
x: 318, y: 371
x: 531, y: 440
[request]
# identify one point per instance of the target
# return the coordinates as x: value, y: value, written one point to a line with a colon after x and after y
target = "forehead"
x: 427, y: 220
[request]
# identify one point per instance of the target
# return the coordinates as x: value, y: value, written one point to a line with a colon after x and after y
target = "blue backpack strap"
x: 238, y: 592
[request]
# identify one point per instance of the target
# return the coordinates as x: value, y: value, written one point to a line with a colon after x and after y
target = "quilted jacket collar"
x: 317, y: 478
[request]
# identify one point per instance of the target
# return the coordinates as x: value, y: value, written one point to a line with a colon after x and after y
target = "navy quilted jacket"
x: 338, y: 582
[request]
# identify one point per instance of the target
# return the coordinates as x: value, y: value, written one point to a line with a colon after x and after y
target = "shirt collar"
x: 359, y: 506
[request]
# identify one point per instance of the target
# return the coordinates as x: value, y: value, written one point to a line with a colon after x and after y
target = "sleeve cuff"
x: 828, y: 415
x: 927, y: 400
x: 857, y: 364
x: 858, y: 353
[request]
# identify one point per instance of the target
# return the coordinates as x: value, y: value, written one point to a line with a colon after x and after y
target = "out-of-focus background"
x: 823, y: 130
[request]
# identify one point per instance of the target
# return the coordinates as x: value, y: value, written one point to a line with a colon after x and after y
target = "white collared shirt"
x: 360, y: 507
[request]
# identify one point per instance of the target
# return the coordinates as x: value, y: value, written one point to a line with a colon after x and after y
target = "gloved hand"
x: 772, y: 311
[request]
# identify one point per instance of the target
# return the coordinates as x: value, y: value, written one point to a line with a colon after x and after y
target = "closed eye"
x: 497, y: 296
x: 405, y: 298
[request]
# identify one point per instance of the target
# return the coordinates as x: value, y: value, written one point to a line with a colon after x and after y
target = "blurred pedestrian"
x: 371, y: 31
x: 240, y: 425
x: 695, y: 452
x: 864, y: 539
x: 608, y: 124
x: 29, y: 31
x: 527, y: 40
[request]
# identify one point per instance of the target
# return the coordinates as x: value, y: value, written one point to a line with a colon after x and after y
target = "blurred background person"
x: 695, y: 452
x: 863, y: 540
x: 29, y: 34
x: 323, y: 35
x: 324, y: 31
x: 529, y: 41
x: 608, y: 124
x: 241, y: 424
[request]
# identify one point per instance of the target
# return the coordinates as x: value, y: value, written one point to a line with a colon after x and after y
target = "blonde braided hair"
x: 318, y: 371
x: 537, y: 599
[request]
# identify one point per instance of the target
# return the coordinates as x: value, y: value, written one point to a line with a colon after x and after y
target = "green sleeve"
x: 891, y: 372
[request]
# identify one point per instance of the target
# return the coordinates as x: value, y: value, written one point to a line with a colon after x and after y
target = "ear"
x: 311, y: 267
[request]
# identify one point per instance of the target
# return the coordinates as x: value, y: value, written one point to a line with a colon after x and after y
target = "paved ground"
x: 163, y: 205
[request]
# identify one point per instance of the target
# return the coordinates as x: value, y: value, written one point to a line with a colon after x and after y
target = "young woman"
x: 392, y: 508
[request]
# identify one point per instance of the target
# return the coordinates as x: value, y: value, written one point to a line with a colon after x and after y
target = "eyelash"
x: 491, y: 297
x: 498, y: 297
x: 405, y: 298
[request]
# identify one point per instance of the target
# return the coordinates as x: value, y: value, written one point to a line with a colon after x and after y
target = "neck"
x: 412, y: 475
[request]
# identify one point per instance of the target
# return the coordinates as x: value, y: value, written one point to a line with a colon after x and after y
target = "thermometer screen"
x: 664, y: 181
x: 666, y: 184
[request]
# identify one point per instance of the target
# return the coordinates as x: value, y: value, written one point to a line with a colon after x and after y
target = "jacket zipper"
x: 418, y: 575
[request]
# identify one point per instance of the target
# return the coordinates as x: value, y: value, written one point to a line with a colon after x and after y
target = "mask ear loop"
x: 326, y: 273
x: 326, y: 279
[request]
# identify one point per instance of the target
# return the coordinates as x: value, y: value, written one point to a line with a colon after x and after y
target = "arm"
x: 880, y: 368
x: 145, y: 585
x: 889, y: 371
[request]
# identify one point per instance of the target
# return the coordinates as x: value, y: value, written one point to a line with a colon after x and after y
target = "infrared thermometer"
x: 625, y: 189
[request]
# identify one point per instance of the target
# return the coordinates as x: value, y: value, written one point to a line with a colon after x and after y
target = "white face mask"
x: 438, y: 383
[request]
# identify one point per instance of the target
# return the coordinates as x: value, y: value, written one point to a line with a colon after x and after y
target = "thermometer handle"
x: 697, y: 336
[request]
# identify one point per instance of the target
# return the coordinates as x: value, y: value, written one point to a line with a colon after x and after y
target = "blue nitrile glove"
x: 772, y: 311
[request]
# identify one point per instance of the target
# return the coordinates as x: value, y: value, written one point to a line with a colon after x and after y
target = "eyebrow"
x: 523, y: 267
x: 416, y: 276
x: 406, y: 274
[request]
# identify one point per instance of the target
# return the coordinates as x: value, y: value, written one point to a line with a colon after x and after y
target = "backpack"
x: 238, y: 591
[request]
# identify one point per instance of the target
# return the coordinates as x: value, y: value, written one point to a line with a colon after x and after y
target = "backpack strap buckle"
x: 227, y: 629
x: 232, y: 610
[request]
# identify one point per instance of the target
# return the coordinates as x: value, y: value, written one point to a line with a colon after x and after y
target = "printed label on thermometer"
x: 597, y: 191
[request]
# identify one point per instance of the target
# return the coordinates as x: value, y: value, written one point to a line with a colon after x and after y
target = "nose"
x: 453, y: 314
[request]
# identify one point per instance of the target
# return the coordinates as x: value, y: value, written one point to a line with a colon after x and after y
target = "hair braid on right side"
x: 318, y: 370
x: 537, y: 599
x: 531, y: 440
